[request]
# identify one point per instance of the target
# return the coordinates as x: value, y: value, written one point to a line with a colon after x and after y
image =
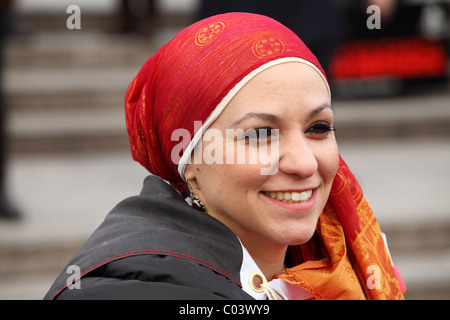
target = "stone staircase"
x: 66, y: 91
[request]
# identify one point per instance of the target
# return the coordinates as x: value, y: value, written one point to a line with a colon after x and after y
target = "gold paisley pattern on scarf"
x: 267, y: 46
x: 210, y: 33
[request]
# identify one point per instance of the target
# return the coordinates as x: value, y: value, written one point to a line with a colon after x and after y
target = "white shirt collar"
x: 287, y: 290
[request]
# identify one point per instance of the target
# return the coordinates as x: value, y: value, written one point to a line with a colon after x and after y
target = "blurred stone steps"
x: 72, y: 50
x: 66, y: 92
x: 55, y: 116
x: 425, y: 113
x: 421, y: 252
x: 409, y: 238
x: 70, y: 130
x: 426, y: 274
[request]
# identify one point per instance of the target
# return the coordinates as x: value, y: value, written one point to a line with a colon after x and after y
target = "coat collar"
x: 158, y: 221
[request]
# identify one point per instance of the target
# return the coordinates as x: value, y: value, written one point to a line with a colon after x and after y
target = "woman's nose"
x: 297, y: 157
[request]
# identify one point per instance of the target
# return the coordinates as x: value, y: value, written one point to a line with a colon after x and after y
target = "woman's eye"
x: 320, y: 128
x: 260, y: 134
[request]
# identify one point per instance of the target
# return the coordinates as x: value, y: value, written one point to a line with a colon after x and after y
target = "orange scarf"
x: 356, y: 263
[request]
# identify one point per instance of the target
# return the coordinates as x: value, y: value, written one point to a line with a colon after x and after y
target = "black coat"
x: 155, y: 246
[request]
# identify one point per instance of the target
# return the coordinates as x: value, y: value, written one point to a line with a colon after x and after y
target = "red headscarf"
x: 190, y: 79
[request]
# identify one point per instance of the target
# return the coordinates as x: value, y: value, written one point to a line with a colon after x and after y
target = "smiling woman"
x: 283, y: 97
x: 243, y: 89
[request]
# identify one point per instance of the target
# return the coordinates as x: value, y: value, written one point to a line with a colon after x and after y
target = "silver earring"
x: 197, y: 202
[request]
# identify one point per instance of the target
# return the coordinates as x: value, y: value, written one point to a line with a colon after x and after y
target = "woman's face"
x: 281, y: 208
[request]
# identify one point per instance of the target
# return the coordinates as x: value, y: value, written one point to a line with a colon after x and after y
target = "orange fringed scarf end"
x: 347, y: 258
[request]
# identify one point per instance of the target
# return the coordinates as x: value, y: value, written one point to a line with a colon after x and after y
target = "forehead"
x: 280, y: 89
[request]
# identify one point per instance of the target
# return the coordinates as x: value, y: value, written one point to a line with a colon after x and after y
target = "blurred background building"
x: 67, y: 160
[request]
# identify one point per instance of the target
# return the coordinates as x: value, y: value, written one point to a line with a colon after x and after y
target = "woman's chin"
x: 298, y: 237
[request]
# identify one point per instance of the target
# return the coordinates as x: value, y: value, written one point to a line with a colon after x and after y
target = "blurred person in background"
x: 387, y: 8
x: 323, y: 25
x: 7, y: 210
x: 356, y: 13
x: 386, y: 45
x: 318, y: 23
x: 136, y: 16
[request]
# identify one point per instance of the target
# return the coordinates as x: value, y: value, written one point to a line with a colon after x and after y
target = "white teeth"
x: 290, y: 197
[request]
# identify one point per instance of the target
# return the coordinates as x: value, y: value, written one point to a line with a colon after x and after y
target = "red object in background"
x: 403, y: 58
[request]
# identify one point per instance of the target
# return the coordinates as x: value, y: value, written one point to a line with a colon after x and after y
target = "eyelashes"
x: 319, y: 129
x: 260, y: 134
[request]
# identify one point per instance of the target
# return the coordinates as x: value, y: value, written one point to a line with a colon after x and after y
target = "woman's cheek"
x: 330, y: 163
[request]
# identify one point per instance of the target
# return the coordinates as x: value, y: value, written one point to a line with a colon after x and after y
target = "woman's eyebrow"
x: 318, y: 110
x: 273, y: 118
x: 260, y: 115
